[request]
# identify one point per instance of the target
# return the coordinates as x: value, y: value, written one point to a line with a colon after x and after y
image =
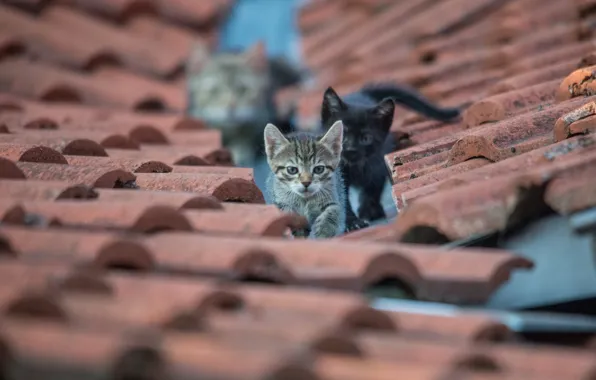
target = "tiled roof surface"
x: 130, y: 242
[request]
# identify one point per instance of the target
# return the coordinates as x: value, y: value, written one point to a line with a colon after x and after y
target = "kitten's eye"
x: 366, y: 139
x: 319, y: 169
x: 292, y: 170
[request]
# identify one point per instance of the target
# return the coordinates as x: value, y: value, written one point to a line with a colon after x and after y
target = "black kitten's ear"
x: 332, y: 104
x: 384, y: 111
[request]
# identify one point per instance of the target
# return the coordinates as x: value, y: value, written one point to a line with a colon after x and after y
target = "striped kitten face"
x: 227, y: 89
x: 304, y: 163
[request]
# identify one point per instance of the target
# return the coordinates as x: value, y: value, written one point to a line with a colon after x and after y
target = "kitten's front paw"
x: 354, y: 223
x: 371, y: 212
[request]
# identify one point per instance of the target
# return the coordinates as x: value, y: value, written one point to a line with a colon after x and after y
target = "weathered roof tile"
x: 97, y: 178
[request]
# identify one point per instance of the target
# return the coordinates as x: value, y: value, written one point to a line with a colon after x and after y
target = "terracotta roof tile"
x: 45, y: 190
x: 511, y: 103
x: 532, y: 77
x: 222, y: 186
x: 177, y: 155
x: 151, y: 216
x: 96, y: 179
x: 457, y: 279
x: 31, y: 153
x: 53, y: 44
x: 495, y: 142
x: 236, y: 323
x: 72, y: 142
x: 578, y: 83
x: 118, y: 9
x: 143, y: 55
x: 99, y: 176
x: 504, y: 193
x: 480, y: 168
x: 43, y: 82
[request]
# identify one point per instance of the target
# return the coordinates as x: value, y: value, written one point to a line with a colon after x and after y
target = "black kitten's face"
x: 365, y: 128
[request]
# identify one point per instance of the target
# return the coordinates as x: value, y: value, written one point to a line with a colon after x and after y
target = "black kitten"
x: 367, y: 116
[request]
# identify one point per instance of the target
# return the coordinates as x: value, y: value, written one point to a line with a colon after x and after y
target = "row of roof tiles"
x: 100, y: 319
x: 526, y: 98
x: 89, y: 185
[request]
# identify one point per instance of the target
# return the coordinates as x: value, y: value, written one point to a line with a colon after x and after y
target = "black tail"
x: 410, y: 98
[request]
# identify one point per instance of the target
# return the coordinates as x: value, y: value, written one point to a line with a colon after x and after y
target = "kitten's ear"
x: 334, y: 138
x: 274, y: 140
x: 256, y: 56
x: 198, y: 56
x: 332, y: 104
x: 384, y: 111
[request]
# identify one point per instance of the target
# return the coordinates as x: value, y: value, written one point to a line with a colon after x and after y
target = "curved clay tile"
x: 223, y: 187
x: 154, y: 128
x: 551, y: 56
x: 494, y: 142
x: 31, y: 153
x: 123, y: 254
x: 11, y: 212
x: 492, y: 358
x: 78, y: 248
x: 9, y: 170
x: 53, y: 43
x: 107, y: 139
x: 140, y: 54
x: 182, y: 200
x: 538, y: 75
x: 163, y: 94
x: 464, y: 328
x: 45, y: 82
x: 509, y: 104
x: 81, y: 281
x: 170, y: 155
x: 131, y: 165
x: 578, y: 83
x: 102, y: 176
x: 473, y: 170
x: 207, y: 137
x: 502, y: 200
x: 37, y: 304
x: 10, y: 45
x: 117, y: 9
x: 232, y: 171
x: 44, y: 190
x: 313, y: 263
x: 176, y: 37
x: 130, y: 216
x: 260, y: 220
x: 9, y: 102
x: 577, y: 122
x: 38, y: 81
x: 193, y: 13
x: 60, y: 144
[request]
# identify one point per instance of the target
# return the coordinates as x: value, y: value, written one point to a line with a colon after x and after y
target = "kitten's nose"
x: 306, y: 184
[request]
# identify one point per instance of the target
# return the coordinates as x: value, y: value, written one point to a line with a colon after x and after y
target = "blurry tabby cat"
x: 233, y: 91
x: 304, y: 179
x: 367, y: 116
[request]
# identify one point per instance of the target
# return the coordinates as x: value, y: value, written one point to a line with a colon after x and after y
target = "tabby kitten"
x: 233, y: 91
x: 304, y: 179
x: 367, y: 116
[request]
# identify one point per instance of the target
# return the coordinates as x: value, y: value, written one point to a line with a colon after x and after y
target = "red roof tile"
x: 456, y: 279
x: 140, y: 54
x: 495, y: 142
x: 96, y: 176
